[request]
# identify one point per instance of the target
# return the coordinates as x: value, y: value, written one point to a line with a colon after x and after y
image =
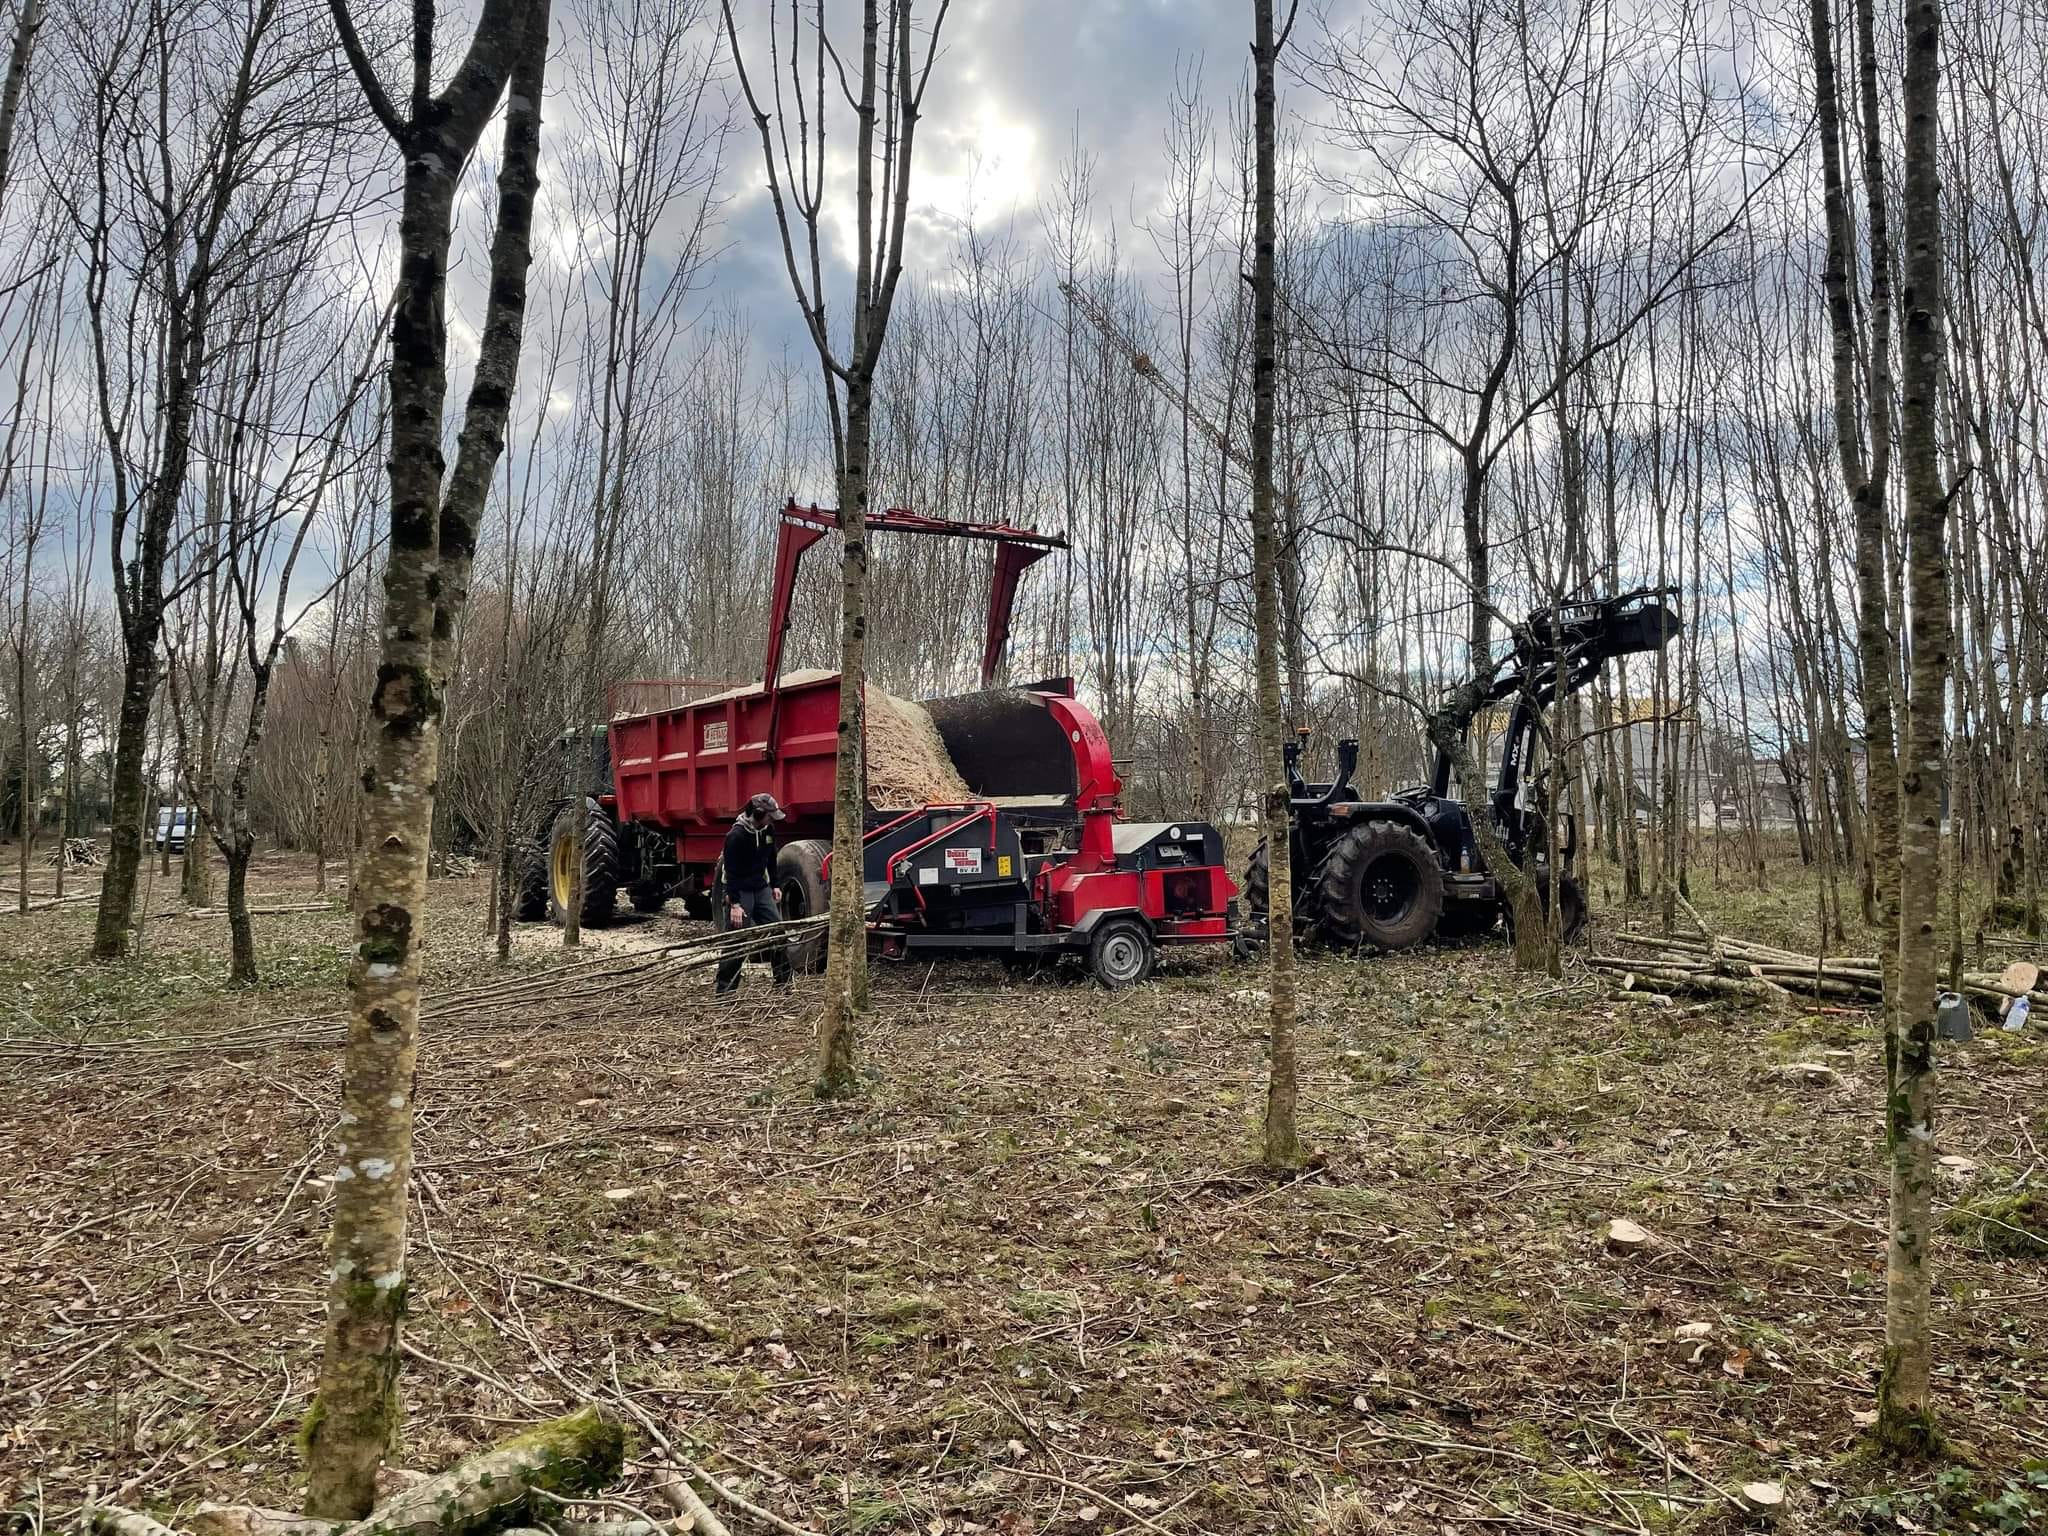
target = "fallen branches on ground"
x: 563, y: 992
x: 506, y: 1487
x: 1715, y: 966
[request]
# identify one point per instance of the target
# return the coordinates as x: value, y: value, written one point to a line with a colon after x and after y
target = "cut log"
x: 1766, y: 1499
x: 567, y: 1457
x: 212, y: 1519
x: 697, y: 1517
x: 1626, y: 1238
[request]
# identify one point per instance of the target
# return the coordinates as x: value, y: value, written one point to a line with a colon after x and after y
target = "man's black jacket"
x: 749, y: 856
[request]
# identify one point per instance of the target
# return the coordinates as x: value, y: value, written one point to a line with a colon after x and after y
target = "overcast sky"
x: 1016, y: 82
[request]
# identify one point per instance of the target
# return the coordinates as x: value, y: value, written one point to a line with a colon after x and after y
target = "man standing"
x: 750, y: 891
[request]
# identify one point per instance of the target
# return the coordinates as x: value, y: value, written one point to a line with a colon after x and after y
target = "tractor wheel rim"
x: 1389, y: 889
x: 561, y: 871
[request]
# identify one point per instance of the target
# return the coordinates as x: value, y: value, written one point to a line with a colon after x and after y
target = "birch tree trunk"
x: 354, y: 1417
x: 18, y: 56
x: 1905, y: 1412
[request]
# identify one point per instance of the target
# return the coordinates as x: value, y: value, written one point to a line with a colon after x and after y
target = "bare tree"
x: 188, y: 170
x: 886, y: 96
x: 1282, y: 1141
x: 432, y: 543
x: 1905, y: 1409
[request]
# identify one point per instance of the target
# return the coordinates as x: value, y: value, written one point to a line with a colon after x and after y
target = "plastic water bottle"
x: 2016, y: 1015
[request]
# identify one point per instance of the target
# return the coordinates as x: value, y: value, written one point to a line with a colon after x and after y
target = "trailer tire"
x: 648, y: 895
x: 1121, y: 953
x: 800, y: 876
x: 530, y: 894
x: 601, y: 865
x: 1380, y: 884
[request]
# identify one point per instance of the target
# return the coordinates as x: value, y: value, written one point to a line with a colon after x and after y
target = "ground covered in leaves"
x: 1031, y: 1280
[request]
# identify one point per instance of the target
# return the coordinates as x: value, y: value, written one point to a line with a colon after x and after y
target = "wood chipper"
x: 993, y: 823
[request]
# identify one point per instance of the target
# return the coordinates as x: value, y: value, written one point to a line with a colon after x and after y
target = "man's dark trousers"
x: 759, y: 907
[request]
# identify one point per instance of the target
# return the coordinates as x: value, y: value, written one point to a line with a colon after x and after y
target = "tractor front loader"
x: 1393, y: 873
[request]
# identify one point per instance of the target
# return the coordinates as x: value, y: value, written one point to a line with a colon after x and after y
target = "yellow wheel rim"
x: 562, y: 869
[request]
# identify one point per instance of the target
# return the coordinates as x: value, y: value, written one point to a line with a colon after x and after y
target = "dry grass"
x: 1030, y: 1281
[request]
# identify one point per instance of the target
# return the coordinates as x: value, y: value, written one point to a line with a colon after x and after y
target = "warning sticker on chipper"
x: 963, y: 861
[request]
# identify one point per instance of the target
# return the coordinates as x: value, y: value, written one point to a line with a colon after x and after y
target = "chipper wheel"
x: 1380, y: 884
x: 600, y: 864
x: 1122, y: 953
x: 800, y: 876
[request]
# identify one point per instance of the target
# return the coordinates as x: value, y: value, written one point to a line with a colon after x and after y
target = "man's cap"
x: 764, y: 805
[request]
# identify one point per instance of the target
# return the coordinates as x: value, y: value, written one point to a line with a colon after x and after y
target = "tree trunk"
x: 25, y: 27
x: 1905, y: 1411
x: 128, y: 793
x: 241, y: 935
x: 1282, y: 1139
x: 355, y: 1414
x: 846, y: 962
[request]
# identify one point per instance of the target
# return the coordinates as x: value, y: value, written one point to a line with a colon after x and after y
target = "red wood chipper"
x: 1034, y: 862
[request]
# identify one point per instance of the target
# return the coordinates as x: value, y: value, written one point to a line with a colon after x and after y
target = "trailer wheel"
x: 1380, y: 884
x: 1122, y: 953
x: 600, y: 864
x: 530, y: 895
x: 647, y: 895
x: 800, y: 876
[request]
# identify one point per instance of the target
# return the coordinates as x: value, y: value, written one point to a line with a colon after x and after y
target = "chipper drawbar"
x: 1031, y: 863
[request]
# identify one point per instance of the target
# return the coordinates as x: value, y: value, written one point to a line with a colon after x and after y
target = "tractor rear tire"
x: 800, y: 876
x: 1379, y: 884
x: 601, y: 864
x: 1257, y: 891
x: 1258, y: 882
x: 530, y: 895
x: 1467, y: 920
x: 1121, y: 954
x: 1571, y: 918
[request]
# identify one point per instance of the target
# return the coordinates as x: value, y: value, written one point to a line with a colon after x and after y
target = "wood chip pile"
x: 907, y: 762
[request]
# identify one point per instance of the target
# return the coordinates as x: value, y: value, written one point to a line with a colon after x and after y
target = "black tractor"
x: 1394, y: 873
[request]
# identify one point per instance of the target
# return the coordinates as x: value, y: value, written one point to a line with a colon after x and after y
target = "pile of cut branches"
x: 75, y: 853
